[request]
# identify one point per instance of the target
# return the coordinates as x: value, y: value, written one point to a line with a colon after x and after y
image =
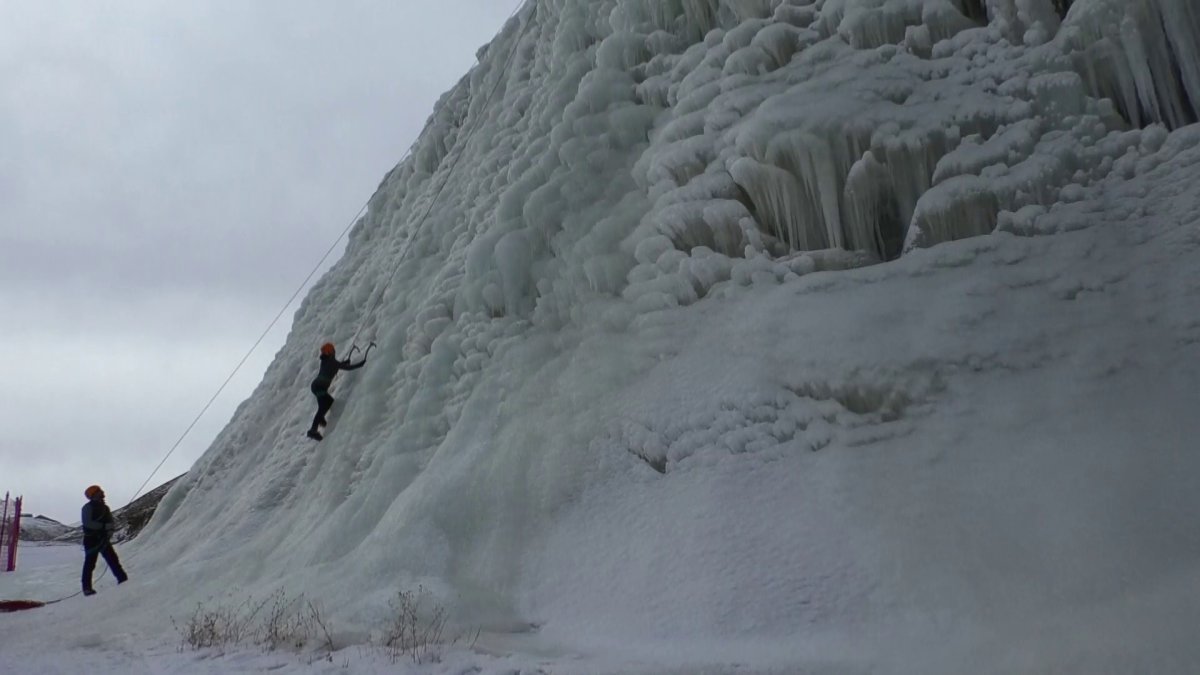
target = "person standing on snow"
x: 98, y: 525
x: 320, y: 386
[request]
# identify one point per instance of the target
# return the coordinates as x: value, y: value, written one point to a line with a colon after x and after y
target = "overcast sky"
x: 169, y: 173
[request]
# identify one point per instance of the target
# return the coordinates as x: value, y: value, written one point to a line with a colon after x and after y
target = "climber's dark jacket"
x: 97, y: 520
x: 330, y: 367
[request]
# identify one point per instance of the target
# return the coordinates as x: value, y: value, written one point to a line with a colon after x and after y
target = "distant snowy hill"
x: 833, y: 336
x: 41, y: 528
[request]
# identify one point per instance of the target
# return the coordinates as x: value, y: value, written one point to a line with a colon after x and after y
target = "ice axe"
x: 354, y: 348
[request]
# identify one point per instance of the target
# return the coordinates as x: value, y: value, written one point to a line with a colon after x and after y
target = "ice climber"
x: 320, y: 386
x: 98, y: 525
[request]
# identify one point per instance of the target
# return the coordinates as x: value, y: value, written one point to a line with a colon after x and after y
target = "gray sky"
x: 169, y: 173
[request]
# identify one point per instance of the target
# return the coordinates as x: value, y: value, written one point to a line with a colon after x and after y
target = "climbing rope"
x: 253, y: 347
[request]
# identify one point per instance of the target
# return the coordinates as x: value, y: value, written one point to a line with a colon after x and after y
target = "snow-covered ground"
x: 101, y: 649
x: 34, y: 558
x: 637, y: 408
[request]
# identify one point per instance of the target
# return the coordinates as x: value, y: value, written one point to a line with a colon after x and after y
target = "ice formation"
x: 610, y: 159
x: 1142, y: 55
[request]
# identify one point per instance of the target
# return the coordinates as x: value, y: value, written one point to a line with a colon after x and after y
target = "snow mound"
x: 643, y: 386
x: 41, y: 528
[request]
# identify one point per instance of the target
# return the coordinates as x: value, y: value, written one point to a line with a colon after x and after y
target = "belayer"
x: 320, y: 386
x: 98, y: 525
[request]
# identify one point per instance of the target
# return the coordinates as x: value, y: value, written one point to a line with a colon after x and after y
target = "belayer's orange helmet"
x: 327, y: 349
x: 92, y: 491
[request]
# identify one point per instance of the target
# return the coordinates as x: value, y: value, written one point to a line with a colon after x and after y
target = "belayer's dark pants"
x: 324, y: 403
x: 90, y: 554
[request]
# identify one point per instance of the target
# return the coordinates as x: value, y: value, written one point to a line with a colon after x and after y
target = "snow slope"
x: 648, y: 398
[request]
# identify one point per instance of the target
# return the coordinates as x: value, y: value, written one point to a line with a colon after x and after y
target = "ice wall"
x: 606, y: 160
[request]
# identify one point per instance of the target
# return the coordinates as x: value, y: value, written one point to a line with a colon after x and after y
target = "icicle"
x: 713, y: 225
x: 870, y: 207
x: 963, y: 206
x: 780, y: 205
x: 1146, y: 55
x: 883, y: 188
x: 821, y: 162
x: 911, y: 158
x: 700, y: 16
